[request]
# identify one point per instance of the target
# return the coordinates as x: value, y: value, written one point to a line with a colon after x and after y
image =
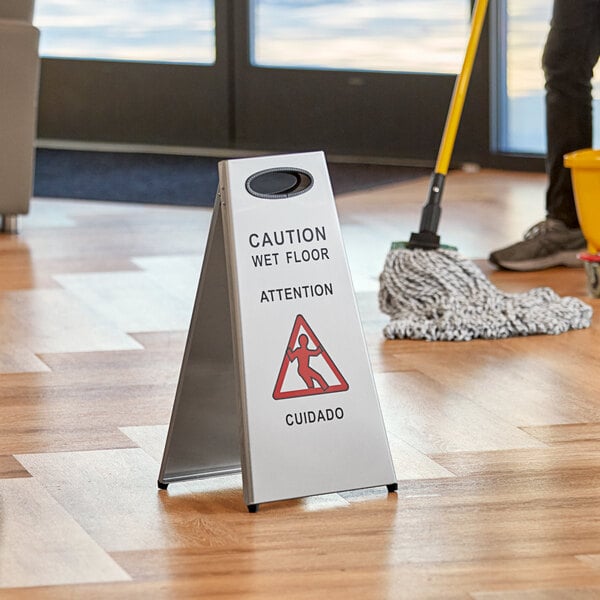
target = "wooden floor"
x: 496, y: 443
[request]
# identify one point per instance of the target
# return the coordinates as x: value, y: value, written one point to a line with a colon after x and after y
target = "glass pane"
x: 180, y: 31
x: 380, y: 35
x: 525, y: 130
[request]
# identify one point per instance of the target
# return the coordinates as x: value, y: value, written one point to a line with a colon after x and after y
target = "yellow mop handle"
x: 460, y: 89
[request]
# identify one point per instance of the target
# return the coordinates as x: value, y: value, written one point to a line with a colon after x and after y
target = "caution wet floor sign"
x: 276, y: 294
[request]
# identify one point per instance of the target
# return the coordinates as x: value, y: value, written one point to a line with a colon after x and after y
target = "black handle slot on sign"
x: 274, y: 184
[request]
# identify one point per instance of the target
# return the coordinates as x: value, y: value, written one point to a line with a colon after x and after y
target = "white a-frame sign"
x: 275, y: 378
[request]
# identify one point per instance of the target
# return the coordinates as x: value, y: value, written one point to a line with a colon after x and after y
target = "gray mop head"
x: 438, y: 295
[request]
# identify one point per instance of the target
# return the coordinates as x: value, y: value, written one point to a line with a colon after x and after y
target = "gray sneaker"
x: 549, y: 243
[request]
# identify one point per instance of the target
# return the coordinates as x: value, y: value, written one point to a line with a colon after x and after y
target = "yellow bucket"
x: 585, y: 175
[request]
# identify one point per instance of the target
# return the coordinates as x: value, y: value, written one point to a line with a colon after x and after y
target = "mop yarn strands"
x: 440, y: 296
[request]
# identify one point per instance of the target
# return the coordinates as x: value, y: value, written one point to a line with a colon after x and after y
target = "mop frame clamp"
x: 405, y: 246
x: 427, y: 238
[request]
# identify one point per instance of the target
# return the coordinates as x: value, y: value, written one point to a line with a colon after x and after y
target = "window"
x: 527, y: 25
x: 378, y: 35
x: 181, y: 31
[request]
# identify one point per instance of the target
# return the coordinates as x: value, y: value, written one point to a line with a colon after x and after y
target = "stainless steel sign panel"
x: 306, y: 400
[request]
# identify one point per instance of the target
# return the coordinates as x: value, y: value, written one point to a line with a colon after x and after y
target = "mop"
x: 432, y: 293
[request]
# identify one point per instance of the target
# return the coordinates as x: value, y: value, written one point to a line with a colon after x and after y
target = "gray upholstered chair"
x: 19, y: 77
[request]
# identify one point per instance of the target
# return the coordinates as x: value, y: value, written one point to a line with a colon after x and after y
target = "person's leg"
x: 319, y: 379
x: 571, y: 51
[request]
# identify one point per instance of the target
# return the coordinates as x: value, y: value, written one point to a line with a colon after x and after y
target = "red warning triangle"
x: 313, y: 373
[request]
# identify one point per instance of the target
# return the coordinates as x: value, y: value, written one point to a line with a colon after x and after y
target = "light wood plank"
x: 21, y: 273
x: 176, y: 275
x: 150, y: 438
x: 560, y: 458
x: 434, y: 419
x: 577, y: 432
x: 523, y: 382
x: 558, y: 594
x: 593, y: 560
x: 41, y: 544
x: 114, y: 496
x: 412, y: 464
x: 15, y: 359
x: 131, y: 302
x: 53, y: 321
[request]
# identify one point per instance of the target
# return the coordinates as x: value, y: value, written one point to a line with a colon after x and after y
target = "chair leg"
x: 10, y: 224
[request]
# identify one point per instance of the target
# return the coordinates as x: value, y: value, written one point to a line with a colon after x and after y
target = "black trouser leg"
x: 571, y: 51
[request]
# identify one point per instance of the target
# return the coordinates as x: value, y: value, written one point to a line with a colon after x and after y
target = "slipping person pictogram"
x: 303, y: 354
x: 316, y: 371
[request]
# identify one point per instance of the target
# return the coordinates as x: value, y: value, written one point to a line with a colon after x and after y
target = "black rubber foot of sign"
x: 392, y: 487
x: 162, y: 486
x: 252, y: 508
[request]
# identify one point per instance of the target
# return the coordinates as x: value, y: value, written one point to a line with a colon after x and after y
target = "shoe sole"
x: 561, y: 259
